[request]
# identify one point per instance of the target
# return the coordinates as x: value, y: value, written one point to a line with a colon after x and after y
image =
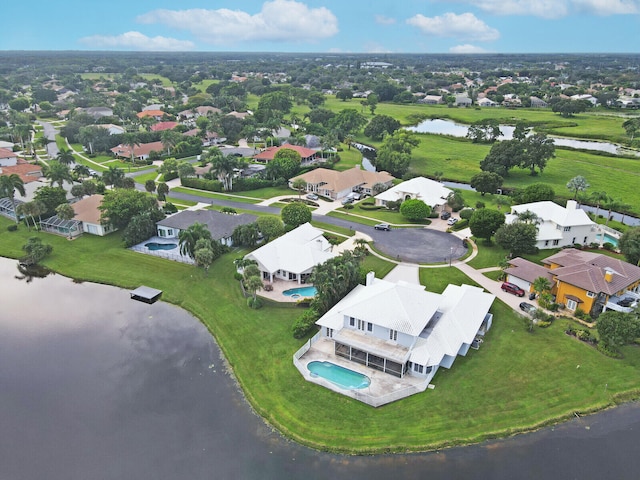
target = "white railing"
x: 606, y: 228
x: 176, y: 257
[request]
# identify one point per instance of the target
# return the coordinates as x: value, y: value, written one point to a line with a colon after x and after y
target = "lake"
x: 94, y: 385
x: 448, y: 127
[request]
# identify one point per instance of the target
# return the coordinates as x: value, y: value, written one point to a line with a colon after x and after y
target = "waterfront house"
x: 432, y: 193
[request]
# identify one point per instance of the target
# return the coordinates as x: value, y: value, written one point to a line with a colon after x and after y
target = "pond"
x: 95, y: 385
x: 449, y: 127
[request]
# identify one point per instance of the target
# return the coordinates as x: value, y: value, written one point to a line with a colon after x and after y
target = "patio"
x: 275, y: 288
x: 173, y: 254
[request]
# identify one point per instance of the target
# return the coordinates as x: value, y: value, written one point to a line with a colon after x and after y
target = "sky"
x: 338, y: 26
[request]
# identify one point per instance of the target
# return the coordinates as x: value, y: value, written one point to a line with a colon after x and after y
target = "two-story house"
x: 558, y: 226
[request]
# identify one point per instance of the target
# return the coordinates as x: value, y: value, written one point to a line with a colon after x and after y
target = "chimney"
x: 572, y: 205
x: 371, y: 276
x: 608, y: 275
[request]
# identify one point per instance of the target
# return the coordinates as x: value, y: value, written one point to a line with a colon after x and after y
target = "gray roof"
x: 221, y: 225
x: 526, y: 270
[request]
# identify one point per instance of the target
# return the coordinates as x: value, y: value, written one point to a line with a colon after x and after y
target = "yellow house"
x: 593, y: 282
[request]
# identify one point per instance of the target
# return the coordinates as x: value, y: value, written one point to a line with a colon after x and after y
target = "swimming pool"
x: 340, y: 376
x: 160, y: 246
x: 300, y: 292
x: 607, y: 238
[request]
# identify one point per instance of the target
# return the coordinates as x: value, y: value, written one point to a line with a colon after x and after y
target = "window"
x: 429, y: 369
x: 329, y: 332
x: 556, y: 242
x: 361, y: 324
x: 591, y: 294
x: 572, y: 304
x: 352, y: 321
x: 567, y: 229
x: 573, y: 240
x: 546, y: 243
x: 369, y: 327
x: 418, y: 368
x: 393, y: 335
x: 585, y: 240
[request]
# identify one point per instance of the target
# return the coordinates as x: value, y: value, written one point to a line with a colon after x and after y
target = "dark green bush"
x: 202, y: 184
x: 12, y: 228
x: 608, y: 246
x: 305, y: 323
x: 254, y: 303
x: 459, y: 225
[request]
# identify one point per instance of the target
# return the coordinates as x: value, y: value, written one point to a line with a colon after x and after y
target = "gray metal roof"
x: 221, y: 225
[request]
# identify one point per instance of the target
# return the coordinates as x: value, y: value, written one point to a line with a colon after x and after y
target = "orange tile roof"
x: 151, y: 113
x: 26, y: 171
x: 270, y: 153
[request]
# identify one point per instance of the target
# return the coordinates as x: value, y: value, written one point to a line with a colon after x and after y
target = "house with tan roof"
x: 88, y: 213
x: 337, y: 185
x: 581, y: 279
x: 395, y: 336
x: 162, y: 126
x: 140, y: 151
x: 307, y: 155
x: 8, y: 157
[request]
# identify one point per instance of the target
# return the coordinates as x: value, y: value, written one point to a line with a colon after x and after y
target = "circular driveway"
x: 416, y: 245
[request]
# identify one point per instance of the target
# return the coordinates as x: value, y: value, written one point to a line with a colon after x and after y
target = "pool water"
x: 300, y: 292
x: 340, y: 376
x: 160, y: 246
x: 607, y: 238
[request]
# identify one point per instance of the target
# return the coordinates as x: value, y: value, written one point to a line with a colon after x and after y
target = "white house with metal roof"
x: 294, y: 255
x: 558, y: 226
x: 429, y: 191
x: 401, y: 330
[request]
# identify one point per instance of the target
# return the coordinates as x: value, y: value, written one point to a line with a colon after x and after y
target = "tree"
x: 300, y: 185
x: 295, y: 214
x: 521, y: 131
x: 253, y: 284
x: 617, y: 329
x: 19, y: 104
x: 65, y: 157
x: 188, y: 237
x: 130, y: 140
x: 113, y: 176
x: 222, y: 166
x: 599, y: 197
x: 568, y: 108
x: 139, y: 228
x: 485, y: 222
x: 64, y: 211
x: 538, y: 149
x: 347, y: 122
x: 577, y: 184
x: 486, y: 182
x: 518, y: 237
x: 31, y: 209
x: 270, y: 227
x: 333, y: 279
x: 536, y: 192
x: 246, y: 235
x: 204, y: 256
x: 44, y: 142
x: 36, y: 250
x: 119, y: 206
x: 50, y: 198
x: 170, y: 138
x: 58, y: 173
x: 344, y: 94
x: 381, y: 125
x: 394, y: 156
x: 285, y: 164
x: 541, y: 285
x: 528, y: 217
x: 185, y: 169
x: 80, y: 171
x: 372, y: 102
x: 414, y: 209
x: 484, y: 131
x: 163, y: 190
x: 502, y: 157
x: 629, y: 245
x: 150, y: 185
x: 632, y: 127
x: 9, y: 184
x: 455, y: 200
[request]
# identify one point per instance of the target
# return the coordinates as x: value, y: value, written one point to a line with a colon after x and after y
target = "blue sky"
x: 347, y: 26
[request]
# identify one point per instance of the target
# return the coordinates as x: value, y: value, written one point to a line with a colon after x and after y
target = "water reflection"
x: 29, y: 272
x: 95, y: 385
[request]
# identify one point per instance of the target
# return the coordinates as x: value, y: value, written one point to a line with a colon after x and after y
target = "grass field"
x: 516, y: 381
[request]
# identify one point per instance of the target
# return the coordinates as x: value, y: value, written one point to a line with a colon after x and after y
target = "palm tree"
x: 65, y: 157
x: 222, y: 165
x: 8, y: 186
x: 253, y: 284
x: 58, y: 173
x: 599, y: 198
x: 44, y: 143
x: 130, y: 140
x: 348, y: 139
x: 170, y: 138
x: 113, y: 176
x: 64, y: 211
x: 189, y: 237
x: 541, y: 285
x: 529, y: 217
x: 150, y: 185
x: 81, y: 171
x: 299, y: 184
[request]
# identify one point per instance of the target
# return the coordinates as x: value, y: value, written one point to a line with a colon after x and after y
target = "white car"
x: 312, y: 196
x: 452, y: 221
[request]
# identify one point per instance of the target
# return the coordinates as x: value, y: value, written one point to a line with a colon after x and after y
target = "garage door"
x: 523, y: 284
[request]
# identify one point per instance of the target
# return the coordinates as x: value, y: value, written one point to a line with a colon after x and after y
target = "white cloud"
x: 382, y: 20
x: 279, y: 21
x: 137, y: 41
x: 465, y: 25
x: 467, y: 48
x: 557, y: 8
x: 373, y: 47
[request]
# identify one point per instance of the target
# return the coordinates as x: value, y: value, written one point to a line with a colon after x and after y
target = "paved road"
x: 50, y: 132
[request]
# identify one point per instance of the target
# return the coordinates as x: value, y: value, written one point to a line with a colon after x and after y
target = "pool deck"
x: 384, y: 388
x: 280, y: 286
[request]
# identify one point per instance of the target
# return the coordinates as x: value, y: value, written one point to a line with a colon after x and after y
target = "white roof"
x: 401, y: 306
x: 296, y: 251
x: 549, y: 211
x: 429, y: 191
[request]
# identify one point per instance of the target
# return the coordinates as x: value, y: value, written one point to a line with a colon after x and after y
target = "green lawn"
x: 219, y: 196
x: 516, y: 381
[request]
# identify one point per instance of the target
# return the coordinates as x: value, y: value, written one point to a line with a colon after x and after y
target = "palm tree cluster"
x: 334, y: 279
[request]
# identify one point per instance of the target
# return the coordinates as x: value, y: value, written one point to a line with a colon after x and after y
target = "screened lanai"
x: 68, y: 228
x: 6, y: 208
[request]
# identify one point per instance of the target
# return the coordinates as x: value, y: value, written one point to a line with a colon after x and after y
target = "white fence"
x: 168, y: 254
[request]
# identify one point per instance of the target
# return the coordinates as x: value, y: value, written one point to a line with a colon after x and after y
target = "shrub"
x: 237, y: 276
x: 543, y: 324
x: 348, y: 206
x: 585, y: 336
x: 254, y: 303
x: 228, y: 210
x: 305, y: 323
x: 169, y: 176
x: 594, y: 245
x: 169, y: 208
x: 466, y: 213
x: 202, y: 184
x: 459, y: 225
x: 12, y: 228
x: 608, y: 246
x: 577, y: 246
x: 608, y: 351
x: 480, y: 205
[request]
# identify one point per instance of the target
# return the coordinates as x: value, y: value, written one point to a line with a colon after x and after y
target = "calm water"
x: 448, y: 127
x: 94, y: 385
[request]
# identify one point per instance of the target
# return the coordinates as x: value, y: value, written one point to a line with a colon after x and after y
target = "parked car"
x: 312, y: 196
x: 445, y: 215
x: 347, y: 200
x: 452, y: 221
x: 512, y: 288
x: 383, y: 226
x: 527, y: 308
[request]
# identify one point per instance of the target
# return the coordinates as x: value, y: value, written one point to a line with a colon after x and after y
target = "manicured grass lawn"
x: 349, y: 158
x: 333, y: 228
x: 178, y: 202
x: 219, y: 196
x: 516, y: 381
x: 142, y: 179
x: 491, y: 255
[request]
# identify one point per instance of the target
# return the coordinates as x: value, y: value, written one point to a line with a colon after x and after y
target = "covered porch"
x: 68, y: 228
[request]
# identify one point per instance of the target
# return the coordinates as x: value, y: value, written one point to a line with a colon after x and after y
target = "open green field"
x: 516, y: 381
